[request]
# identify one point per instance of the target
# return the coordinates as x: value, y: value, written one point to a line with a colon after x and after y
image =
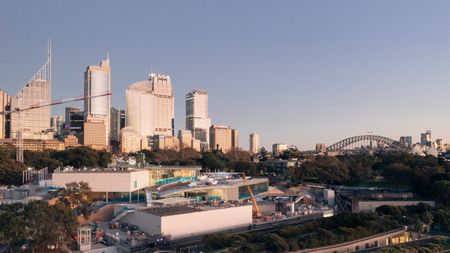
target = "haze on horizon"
x: 296, y: 72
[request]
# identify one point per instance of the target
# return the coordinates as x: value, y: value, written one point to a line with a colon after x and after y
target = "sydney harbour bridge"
x: 364, y: 141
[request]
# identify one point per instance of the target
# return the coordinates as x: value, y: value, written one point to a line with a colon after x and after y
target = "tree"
x: 237, y: 155
x: 37, y: 224
x: 78, y: 196
x: 276, y: 244
x: 11, y: 172
x: 211, y: 161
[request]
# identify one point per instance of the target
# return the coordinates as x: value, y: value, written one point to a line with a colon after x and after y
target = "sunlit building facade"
x: 33, y: 123
x: 164, y: 104
x: 197, y: 119
x: 254, y: 143
x: 220, y: 138
x: 97, y: 81
x: 140, y: 107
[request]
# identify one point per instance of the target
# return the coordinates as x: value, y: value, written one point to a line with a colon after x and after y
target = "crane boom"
x: 56, y: 102
x: 19, y: 142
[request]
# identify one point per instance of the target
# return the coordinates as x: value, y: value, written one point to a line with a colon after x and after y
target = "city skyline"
x: 404, y: 73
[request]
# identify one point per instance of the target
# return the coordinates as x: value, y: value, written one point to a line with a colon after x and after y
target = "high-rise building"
x: 220, y: 138
x: 406, y: 141
x: 5, y: 101
x: 440, y: 145
x: 97, y: 81
x: 234, y: 139
x: 33, y: 123
x: 197, y: 119
x: 93, y: 133
x: 321, y: 147
x: 117, y: 123
x: 425, y: 138
x: 67, y: 112
x: 254, y: 143
x: 185, y: 137
x: 76, y: 123
x: 140, y: 107
x: 164, y: 105
x: 56, y: 123
x: 150, y: 106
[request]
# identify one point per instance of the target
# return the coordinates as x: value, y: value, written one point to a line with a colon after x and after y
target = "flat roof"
x: 171, y: 210
x: 172, y: 167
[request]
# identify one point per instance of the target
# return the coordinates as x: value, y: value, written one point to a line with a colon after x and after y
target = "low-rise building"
x: 71, y: 141
x: 183, y: 221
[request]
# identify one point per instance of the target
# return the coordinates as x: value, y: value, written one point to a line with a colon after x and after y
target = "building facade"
x: 93, y: 133
x: 97, y: 81
x: 131, y: 140
x: 5, y: 101
x: 220, y: 138
x: 197, y: 119
x: 234, y: 139
x: 164, y: 104
x: 150, y: 106
x: 140, y: 107
x: 425, y: 138
x: 185, y: 137
x: 254, y: 143
x: 117, y: 122
x: 33, y: 123
x: 279, y: 148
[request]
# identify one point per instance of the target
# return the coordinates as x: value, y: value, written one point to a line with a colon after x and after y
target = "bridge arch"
x: 345, y: 143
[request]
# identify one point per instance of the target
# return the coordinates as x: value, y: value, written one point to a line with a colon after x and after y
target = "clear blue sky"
x: 298, y: 72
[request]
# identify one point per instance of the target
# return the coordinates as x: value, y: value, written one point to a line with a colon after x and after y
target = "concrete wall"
x: 371, y: 205
x: 105, y: 181
x: 185, y: 225
x: 150, y: 224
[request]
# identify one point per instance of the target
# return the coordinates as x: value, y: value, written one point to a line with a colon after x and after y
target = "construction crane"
x: 19, y: 143
x: 256, y: 209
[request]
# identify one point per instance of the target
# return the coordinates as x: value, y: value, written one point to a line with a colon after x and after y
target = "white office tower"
x: 197, y: 116
x: 254, y: 143
x: 150, y: 106
x: 34, y: 123
x: 140, y: 107
x: 164, y: 102
x: 97, y: 81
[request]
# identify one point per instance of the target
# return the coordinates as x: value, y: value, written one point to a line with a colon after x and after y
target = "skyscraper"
x: 425, y: 138
x: 197, y: 115
x: 67, y: 112
x: 164, y: 104
x: 5, y: 101
x: 97, y: 81
x: 56, y: 123
x: 117, y: 123
x: 150, y: 106
x: 221, y: 138
x: 254, y: 143
x: 234, y: 138
x: 140, y: 107
x: 93, y: 133
x: 34, y: 123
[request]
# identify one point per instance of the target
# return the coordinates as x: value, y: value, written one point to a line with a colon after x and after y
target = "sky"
x: 296, y: 72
